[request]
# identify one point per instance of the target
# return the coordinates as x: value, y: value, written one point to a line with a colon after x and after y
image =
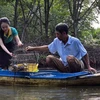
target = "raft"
x: 48, y: 78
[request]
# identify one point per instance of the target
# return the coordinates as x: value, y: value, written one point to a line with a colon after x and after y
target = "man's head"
x: 62, y: 27
x: 61, y: 31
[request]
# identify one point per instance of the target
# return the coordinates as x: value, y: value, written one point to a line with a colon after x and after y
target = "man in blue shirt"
x: 73, y: 55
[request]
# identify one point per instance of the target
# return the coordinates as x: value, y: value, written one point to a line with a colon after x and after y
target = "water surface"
x: 50, y: 93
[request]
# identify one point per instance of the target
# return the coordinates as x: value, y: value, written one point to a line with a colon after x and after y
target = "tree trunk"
x: 15, y: 14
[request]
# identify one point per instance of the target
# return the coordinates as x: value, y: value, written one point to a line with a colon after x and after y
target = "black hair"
x: 4, y: 19
x: 62, y: 27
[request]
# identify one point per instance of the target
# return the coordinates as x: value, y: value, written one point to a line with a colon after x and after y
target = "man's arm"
x: 37, y: 48
x: 87, y: 62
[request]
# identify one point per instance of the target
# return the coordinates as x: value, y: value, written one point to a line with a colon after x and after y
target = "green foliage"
x: 5, y: 2
x: 31, y: 18
x: 58, y: 12
x: 91, y: 37
x: 7, y: 11
x: 97, y: 33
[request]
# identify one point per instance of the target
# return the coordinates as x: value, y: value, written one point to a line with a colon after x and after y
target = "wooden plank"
x: 90, y: 75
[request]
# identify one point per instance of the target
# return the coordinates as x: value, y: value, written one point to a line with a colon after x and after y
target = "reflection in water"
x: 91, y: 93
x: 49, y: 93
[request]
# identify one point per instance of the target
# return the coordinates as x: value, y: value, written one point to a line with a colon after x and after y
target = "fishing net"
x: 24, y: 60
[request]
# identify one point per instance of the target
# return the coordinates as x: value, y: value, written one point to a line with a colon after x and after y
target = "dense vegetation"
x: 36, y: 19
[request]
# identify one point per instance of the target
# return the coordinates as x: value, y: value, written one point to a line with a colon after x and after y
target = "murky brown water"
x: 49, y: 93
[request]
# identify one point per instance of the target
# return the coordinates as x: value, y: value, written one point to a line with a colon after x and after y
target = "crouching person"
x: 72, y: 53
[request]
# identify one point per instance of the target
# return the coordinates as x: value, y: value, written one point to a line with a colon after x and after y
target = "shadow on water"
x: 50, y: 93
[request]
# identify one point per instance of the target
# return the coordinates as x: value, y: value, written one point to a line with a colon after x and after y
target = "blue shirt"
x: 72, y: 47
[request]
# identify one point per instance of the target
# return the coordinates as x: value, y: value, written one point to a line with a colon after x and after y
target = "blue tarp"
x: 42, y: 74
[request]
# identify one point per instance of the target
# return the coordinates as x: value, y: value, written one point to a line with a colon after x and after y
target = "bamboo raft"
x: 49, y: 78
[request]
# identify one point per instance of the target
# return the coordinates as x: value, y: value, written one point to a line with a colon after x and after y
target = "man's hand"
x: 28, y: 48
x: 92, y: 70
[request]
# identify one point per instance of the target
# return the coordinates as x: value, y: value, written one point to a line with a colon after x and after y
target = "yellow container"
x: 30, y: 67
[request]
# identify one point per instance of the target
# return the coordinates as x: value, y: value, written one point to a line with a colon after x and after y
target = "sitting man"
x: 72, y: 53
